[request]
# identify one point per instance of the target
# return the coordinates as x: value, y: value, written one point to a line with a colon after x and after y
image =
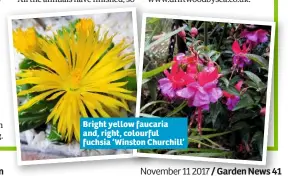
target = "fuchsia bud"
x: 182, y: 34
x: 194, y: 32
x: 263, y: 111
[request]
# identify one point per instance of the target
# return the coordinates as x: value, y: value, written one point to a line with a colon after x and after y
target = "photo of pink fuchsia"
x: 216, y: 75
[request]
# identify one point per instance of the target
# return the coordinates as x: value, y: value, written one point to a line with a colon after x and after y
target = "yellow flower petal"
x: 25, y: 41
x: 34, y: 100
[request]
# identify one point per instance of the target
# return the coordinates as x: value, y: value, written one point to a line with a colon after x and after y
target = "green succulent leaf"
x: 31, y: 121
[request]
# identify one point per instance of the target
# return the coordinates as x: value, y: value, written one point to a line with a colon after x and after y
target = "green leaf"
x: 251, y: 84
x: 191, y: 140
x: 215, y: 110
x: 213, y: 143
x: 189, y: 40
x: 131, y: 80
x: 158, y: 109
x: 234, y: 80
x: 178, y: 109
x: 214, y: 55
x: 156, y: 71
x: 240, y: 126
x: 258, y: 59
x: 54, y: 135
x: 38, y: 107
x: 152, y: 87
x: 225, y: 71
x: 20, y: 88
x: 227, y: 54
x: 152, y: 34
x: 232, y: 90
x: 131, y: 83
x: 202, y: 137
x: 107, y: 50
x: 73, y: 24
x: 71, y: 27
x: 258, y: 140
x: 225, y: 80
x: 245, y: 101
x: 245, y: 135
x: 199, y: 67
x: 205, y: 129
x: 200, y: 48
x: 166, y: 37
x: 148, y: 115
x: 152, y: 103
x: 240, y: 115
x: 27, y: 63
x: 152, y: 20
x: 145, y: 81
x: 255, y: 79
x: 31, y: 121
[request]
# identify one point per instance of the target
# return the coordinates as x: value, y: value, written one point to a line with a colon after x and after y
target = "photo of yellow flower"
x: 77, y: 70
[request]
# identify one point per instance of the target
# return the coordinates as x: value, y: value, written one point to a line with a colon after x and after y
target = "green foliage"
x: 54, y: 135
x: 258, y: 59
x: 30, y: 121
x: 131, y: 80
x: 156, y: 71
x: 166, y: 37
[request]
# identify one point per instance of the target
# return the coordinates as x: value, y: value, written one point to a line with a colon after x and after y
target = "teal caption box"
x: 133, y: 133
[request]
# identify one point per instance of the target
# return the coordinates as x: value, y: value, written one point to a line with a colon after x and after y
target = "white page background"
x: 257, y: 10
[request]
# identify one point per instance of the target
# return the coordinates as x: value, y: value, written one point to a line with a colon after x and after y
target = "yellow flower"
x: 83, y: 76
x: 84, y: 25
x: 25, y: 41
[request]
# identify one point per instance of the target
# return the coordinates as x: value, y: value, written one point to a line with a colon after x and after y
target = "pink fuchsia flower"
x: 174, y: 81
x: 192, y: 69
x: 180, y: 59
x: 239, y: 58
x: 194, y: 32
x: 210, y: 67
x: 190, y: 61
x: 233, y: 100
x: 255, y: 37
x: 202, y: 92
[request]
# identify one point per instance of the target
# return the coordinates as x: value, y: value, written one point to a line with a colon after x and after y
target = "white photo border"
x: 12, y: 65
x: 269, y: 86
